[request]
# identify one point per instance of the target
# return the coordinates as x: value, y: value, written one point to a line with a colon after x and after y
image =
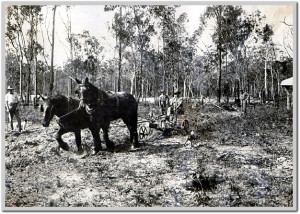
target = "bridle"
x: 88, y: 106
x: 51, y: 109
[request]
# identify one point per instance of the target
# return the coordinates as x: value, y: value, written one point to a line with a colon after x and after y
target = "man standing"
x: 176, y: 102
x: 175, y: 105
x: 12, y: 107
x: 244, y: 97
x: 163, y: 102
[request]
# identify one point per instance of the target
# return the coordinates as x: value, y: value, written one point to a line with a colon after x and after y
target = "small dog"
x: 15, y: 124
x: 191, y: 138
x: 23, y: 124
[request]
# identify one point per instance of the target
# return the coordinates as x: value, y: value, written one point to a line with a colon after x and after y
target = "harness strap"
x: 68, y: 106
x: 93, y: 102
x: 89, y: 109
x: 118, y: 101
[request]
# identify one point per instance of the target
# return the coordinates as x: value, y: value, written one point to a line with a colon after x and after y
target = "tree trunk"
x: 142, y: 90
x: 190, y: 89
x: 184, y: 87
x: 120, y: 54
x: 52, y: 53
x: 272, y: 83
x: 132, y: 82
x: 35, y: 63
x: 265, y: 88
x: 220, y: 73
x: 21, y: 82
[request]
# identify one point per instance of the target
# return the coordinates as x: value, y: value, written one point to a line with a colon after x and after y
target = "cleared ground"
x: 235, y: 160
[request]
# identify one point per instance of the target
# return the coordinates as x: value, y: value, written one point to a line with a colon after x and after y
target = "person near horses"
x: 163, y: 102
x: 176, y: 102
x: 12, y: 107
x: 175, y: 105
x: 244, y: 98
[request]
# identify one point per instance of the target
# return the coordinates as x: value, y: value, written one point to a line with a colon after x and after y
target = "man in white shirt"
x: 12, y: 107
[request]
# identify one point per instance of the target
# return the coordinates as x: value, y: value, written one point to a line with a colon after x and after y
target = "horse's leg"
x: 78, y: 141
x: 97, y: 141
x: 135, y: 135
x: 109, y: 144
x: 61, y: 143
x: 132, y: 127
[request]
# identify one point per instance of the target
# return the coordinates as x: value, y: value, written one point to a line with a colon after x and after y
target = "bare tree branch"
x: 284, y: 22
x: 44, y: 45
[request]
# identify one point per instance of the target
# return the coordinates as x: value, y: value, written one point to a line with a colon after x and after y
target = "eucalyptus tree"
x: 238, y: 29
x: 21, y: 31
x: 68, y: 27
x: 166, y: 16
x: 217, y: 13
x: 144, y: 26
x: 52, y: 50
x: 86, y: 55
x: 267, y: 34
x: 119, y: 27
x: 288, y: 38
x: 11, y: 66
x: 15, y: 37
x: 232, y: 27
x: 133, y: 28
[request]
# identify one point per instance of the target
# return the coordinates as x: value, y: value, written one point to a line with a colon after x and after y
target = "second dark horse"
x: 60, y: 105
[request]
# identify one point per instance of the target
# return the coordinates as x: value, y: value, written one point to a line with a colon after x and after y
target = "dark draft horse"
x: 60, y: 105
x: 102, y: 108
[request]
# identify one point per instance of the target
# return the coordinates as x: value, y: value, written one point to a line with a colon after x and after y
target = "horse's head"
x: 48, y: 108
x: 87, y: 92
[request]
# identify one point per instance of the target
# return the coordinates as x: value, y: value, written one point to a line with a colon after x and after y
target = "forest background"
x: 201, y: 50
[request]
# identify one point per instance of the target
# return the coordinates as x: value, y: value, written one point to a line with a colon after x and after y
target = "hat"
x: 9, y: 88
x: 162, y: 91
x: 176, y: 92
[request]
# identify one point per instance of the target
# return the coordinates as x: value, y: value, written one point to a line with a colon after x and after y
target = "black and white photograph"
x: 149, y: 106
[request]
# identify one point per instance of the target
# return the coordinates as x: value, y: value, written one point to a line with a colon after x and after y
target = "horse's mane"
x: 102, y: 95
x: 59, y: 98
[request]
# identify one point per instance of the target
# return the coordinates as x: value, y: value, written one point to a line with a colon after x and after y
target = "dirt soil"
x: 235, y: 160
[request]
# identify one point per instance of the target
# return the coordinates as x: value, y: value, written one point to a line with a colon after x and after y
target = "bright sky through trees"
x: 93, y: 19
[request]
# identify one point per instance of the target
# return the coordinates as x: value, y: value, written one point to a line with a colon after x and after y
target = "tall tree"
x: 22, y: 19
x: 121, y: 34
x: 170, y: 43
x: 52, y: 52
x: 217, y: 12
x: 267, y: 34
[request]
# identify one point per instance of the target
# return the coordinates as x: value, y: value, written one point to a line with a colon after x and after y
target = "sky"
x: 96, y: 21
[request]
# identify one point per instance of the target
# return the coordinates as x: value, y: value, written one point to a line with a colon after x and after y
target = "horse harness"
x: 89, y: 109
x: 68, y: 105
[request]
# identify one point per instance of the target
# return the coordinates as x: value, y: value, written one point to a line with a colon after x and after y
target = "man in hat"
x: 163, y: 102
x: 244, y: 97
x: 12, y: 107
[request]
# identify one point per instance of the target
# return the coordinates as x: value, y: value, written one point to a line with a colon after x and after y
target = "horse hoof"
x: 65, y: 147
x: 96, y: 151
x: 138, y: 145
x: 80, y: 151
x: 110, y: 147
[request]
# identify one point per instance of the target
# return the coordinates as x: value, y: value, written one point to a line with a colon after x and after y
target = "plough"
x: 169, y: 125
